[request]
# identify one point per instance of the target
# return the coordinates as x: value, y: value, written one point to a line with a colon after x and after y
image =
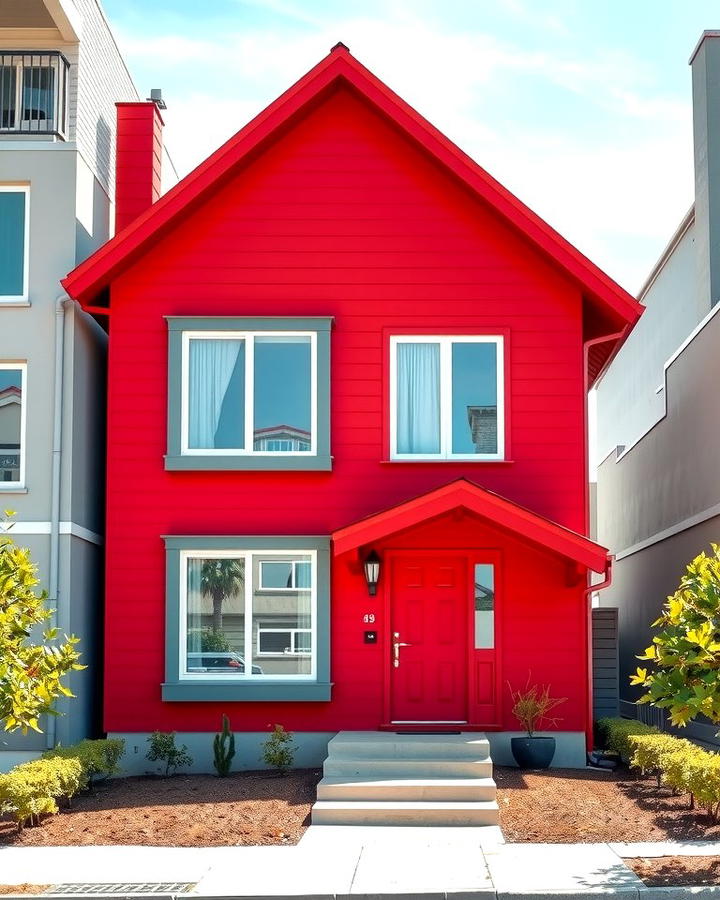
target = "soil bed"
x: 182, y: 811
x: 566, y: 806
x: 23, y: 888
x: 668, y: 871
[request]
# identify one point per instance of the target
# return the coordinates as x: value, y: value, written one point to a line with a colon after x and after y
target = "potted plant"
x: 531, y: 707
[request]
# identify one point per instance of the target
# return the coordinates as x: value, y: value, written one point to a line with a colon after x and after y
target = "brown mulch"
x: 566, y: 806
x: 23, y: 888
x: 181, y: 811
x: 668, y: 871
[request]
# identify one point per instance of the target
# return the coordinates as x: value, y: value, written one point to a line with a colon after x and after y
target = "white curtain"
x: 211, y: 366
x: 418, y: 398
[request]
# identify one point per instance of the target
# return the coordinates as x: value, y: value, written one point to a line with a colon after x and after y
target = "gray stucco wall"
x: 627, y: 402
x: 672, y: 474
x: 659, y: 505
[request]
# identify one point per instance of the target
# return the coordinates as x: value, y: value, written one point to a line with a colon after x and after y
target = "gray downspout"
x: 53, y: 590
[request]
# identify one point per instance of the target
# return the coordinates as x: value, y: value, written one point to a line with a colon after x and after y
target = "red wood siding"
x: 341, y: 217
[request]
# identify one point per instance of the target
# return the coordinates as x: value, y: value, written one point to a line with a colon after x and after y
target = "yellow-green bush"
x: 97, y: 758
x: 32, y: 789
x: 616, y: 733
x: 653, y: 752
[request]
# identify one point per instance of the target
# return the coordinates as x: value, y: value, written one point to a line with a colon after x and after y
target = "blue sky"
x: 581, y: 108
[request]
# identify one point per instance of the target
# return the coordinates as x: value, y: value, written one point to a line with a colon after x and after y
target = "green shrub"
x: 649, y: 751
x: 279, y: 750
x: 223, y: 749
x: 164, y: 749
x: 33, y: 789
x: 99, y: 759
x: 615, y: 734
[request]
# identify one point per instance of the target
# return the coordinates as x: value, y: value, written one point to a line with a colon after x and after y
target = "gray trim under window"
x: 173, y: 689
x: 175, y: 460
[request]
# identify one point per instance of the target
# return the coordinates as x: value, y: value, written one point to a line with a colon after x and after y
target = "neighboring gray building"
x: 60, y: 76
x: 658, y: 411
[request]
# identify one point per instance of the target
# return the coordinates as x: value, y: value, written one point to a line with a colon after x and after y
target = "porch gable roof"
x: 483, y: 503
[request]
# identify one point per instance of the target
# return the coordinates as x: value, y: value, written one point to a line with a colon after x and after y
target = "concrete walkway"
x: 360, y: 862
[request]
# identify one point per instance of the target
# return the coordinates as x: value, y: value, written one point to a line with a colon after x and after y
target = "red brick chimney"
x: 139, y: 155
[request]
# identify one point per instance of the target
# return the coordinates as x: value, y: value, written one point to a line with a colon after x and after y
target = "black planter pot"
x: 533, y: 752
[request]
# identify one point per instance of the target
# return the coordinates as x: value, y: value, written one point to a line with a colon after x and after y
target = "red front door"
x: 429, y: 615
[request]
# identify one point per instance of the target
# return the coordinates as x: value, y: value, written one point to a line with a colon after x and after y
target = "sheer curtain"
x: 211, y: 366
x: 418, y: 398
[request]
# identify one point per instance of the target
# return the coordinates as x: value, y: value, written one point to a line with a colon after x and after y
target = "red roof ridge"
x: 95, y: 273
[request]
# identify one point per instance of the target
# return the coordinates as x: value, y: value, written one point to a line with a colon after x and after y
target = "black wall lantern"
x: 371, y: 565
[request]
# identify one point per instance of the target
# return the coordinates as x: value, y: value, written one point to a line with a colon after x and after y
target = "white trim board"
x: 683, y: 525
x: 72, y: 528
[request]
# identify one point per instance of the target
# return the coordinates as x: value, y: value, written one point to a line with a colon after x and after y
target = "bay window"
x: 446, y: 397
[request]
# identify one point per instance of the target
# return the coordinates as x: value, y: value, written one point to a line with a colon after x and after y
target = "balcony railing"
x: 33, y: 92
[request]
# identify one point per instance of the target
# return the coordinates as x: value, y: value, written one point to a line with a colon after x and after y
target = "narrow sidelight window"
x: 484, y: 592
x: 446, y: 397
x: 12, y: 425
x: 13, y: 242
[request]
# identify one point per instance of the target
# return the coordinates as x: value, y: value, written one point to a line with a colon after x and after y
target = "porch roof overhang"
x: 502, y: 513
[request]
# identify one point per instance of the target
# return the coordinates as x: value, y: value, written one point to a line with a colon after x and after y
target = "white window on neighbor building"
x: 446, y: 397
x: 14, y: 242
x: 12, y: 424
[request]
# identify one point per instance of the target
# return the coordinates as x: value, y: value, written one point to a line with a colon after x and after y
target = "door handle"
x: 397, y: 644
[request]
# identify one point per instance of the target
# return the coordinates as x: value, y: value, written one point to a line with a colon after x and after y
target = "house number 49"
x: 369, y: 618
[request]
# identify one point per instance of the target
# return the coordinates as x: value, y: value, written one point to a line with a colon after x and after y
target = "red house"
x: 341, y: 352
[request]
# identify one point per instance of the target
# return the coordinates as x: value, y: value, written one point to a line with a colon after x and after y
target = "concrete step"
x: 418, y: 813
x: 403, y: 789
x: 335, y: 766
x: 389, y: 745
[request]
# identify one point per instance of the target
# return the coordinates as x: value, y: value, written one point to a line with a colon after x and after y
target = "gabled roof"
x: 86, y: 281
x: 498, y: 511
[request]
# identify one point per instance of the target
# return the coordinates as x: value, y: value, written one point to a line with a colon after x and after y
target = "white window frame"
x: 247, y: 557
x: 249, y: 338
x: 294, y: 589
x: 24, y: 296
x: 22, y: 366
x: 445, y: 342
x: 293, y: 632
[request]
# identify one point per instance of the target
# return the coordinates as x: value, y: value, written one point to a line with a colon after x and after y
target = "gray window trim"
x: 176, y: 461
x: 173, y: 689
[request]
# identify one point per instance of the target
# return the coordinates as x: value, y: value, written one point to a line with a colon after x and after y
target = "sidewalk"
x: 357, y: 862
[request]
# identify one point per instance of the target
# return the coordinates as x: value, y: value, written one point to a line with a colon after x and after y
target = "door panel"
x: 429, y: 602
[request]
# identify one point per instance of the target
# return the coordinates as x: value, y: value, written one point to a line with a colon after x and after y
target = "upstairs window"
x: 12, y: 425
x: 13, y: 242
x: 446, y: 398
x: 249, y: 397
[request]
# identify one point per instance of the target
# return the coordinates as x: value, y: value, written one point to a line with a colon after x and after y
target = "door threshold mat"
x: 124, y: 889
x: 421, y: 733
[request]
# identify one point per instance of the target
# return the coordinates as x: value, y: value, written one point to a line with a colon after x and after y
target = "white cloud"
x: 608, y: 191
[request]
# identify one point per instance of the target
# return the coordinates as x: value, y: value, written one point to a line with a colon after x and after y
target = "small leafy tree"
x: 31, y: 674
x: 164, y: 749
x: 685, y: 653
x: 279, y: 750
